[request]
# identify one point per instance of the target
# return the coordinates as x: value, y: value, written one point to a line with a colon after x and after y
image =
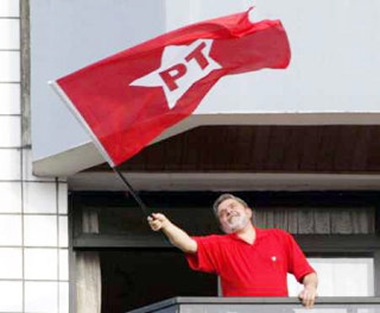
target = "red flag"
x: 128, y: 99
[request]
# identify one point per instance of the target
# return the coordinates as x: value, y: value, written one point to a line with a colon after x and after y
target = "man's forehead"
x: 227, y: 202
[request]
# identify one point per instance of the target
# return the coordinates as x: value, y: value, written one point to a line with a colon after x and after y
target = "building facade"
x: 34, y: 229
x: 301, y: 145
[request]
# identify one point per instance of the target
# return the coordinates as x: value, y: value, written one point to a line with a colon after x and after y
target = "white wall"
x: 67, y: 35
x: 33, y: 211
x: 335, y: 61
x: 332, y: 79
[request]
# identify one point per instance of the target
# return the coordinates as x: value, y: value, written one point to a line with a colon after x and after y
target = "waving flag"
x: 128, y: 99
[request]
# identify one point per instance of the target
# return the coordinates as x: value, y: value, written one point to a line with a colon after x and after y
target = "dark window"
x: 139, y: 267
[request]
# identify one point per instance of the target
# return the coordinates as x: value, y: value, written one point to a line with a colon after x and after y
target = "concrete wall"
x: 332, y: 78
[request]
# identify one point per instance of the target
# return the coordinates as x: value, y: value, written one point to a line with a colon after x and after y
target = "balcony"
x: 262, y: 305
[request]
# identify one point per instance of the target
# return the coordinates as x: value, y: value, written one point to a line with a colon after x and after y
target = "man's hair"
x: 227, y: 196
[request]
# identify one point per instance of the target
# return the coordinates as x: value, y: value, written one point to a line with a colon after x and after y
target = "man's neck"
x: 248, y: 234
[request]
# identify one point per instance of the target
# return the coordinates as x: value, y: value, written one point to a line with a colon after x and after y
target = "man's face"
x: 233, y: 216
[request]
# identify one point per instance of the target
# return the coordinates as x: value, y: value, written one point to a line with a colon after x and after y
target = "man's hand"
x: 308, y: 296
x: 158, y: 221
x: 176, y: 235
x: 309, y: 293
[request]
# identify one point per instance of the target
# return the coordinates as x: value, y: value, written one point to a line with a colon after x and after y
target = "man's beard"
x: 237, y: 222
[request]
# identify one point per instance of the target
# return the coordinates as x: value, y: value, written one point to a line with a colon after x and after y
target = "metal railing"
x: 262, y: 305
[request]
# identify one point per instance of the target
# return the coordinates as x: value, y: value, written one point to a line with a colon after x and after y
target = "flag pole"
x: 134, y: 194
x: 142, y: 205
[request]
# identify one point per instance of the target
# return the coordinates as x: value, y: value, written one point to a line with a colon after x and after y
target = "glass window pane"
x: 340, y: 277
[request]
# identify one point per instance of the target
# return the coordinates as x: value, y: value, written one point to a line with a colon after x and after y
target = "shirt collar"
x: 258, y: 231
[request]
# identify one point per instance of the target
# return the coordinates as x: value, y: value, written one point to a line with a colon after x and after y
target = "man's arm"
x: 309, y: 293
x: 176, y: 235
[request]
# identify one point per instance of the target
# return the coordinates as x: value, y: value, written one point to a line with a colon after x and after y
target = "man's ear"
x: 249, y: 212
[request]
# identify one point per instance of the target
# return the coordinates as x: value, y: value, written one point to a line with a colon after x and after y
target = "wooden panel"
x: 251, y: 151
x: 374, y: 150
x: 306, y: 221
x: 308, y: 146
x: 285, y: 218
x: 279, y: 149
x: 221, y: 148
x: 190, y: 153
x: 280, y: 220
x: 173, y: 161
x: 276, y: 148
x: 322, y: 221
x: 360, y: 153
x: 326, y: 149
x: 345, y: 146
x: 265, y: 219
x: 260, y: 147
x: 241, y: 146
x: 293, y: 150
x: 208, y: 158
x: 318, y: 220
x: 363, y: 220
x: 341, y: 222
x: 155, y: 155
x: 292, y: 220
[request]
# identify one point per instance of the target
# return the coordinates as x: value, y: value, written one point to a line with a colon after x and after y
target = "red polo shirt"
x: 257, y: 270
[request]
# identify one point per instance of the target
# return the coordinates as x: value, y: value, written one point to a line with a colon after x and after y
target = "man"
x: 250, y: 261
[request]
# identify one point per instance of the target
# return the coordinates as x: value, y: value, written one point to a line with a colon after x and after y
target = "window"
x: 110, y: 236
x: 340, y: 277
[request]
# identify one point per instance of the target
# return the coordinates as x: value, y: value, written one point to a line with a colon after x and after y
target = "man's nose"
x: 229, y: 210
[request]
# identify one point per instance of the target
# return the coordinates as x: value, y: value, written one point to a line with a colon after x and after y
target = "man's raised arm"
x: 176, y: 235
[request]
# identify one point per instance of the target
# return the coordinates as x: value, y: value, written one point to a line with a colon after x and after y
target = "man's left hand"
x: 308, y: 296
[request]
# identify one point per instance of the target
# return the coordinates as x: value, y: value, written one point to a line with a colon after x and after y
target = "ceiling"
x: 251, y: 158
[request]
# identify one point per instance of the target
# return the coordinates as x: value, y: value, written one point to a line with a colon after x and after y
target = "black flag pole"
x: 134, y: 194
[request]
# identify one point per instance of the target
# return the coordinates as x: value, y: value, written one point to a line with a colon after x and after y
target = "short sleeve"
x: 298, y: 265
x: 205, y: 259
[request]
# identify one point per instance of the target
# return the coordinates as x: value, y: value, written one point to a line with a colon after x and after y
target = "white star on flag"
x: 181, y: 67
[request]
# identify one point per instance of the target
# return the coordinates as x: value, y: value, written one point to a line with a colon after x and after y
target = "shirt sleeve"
x: 297, y: 262
x: 204, y: 259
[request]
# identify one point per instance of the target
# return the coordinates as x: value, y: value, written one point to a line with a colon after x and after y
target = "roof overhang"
x: 85, y: 156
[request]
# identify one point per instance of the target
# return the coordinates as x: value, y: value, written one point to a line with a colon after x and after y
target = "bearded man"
x: 250, y: 261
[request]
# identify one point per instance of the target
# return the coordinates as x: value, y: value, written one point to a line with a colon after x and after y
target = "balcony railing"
x: 262, y: 305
